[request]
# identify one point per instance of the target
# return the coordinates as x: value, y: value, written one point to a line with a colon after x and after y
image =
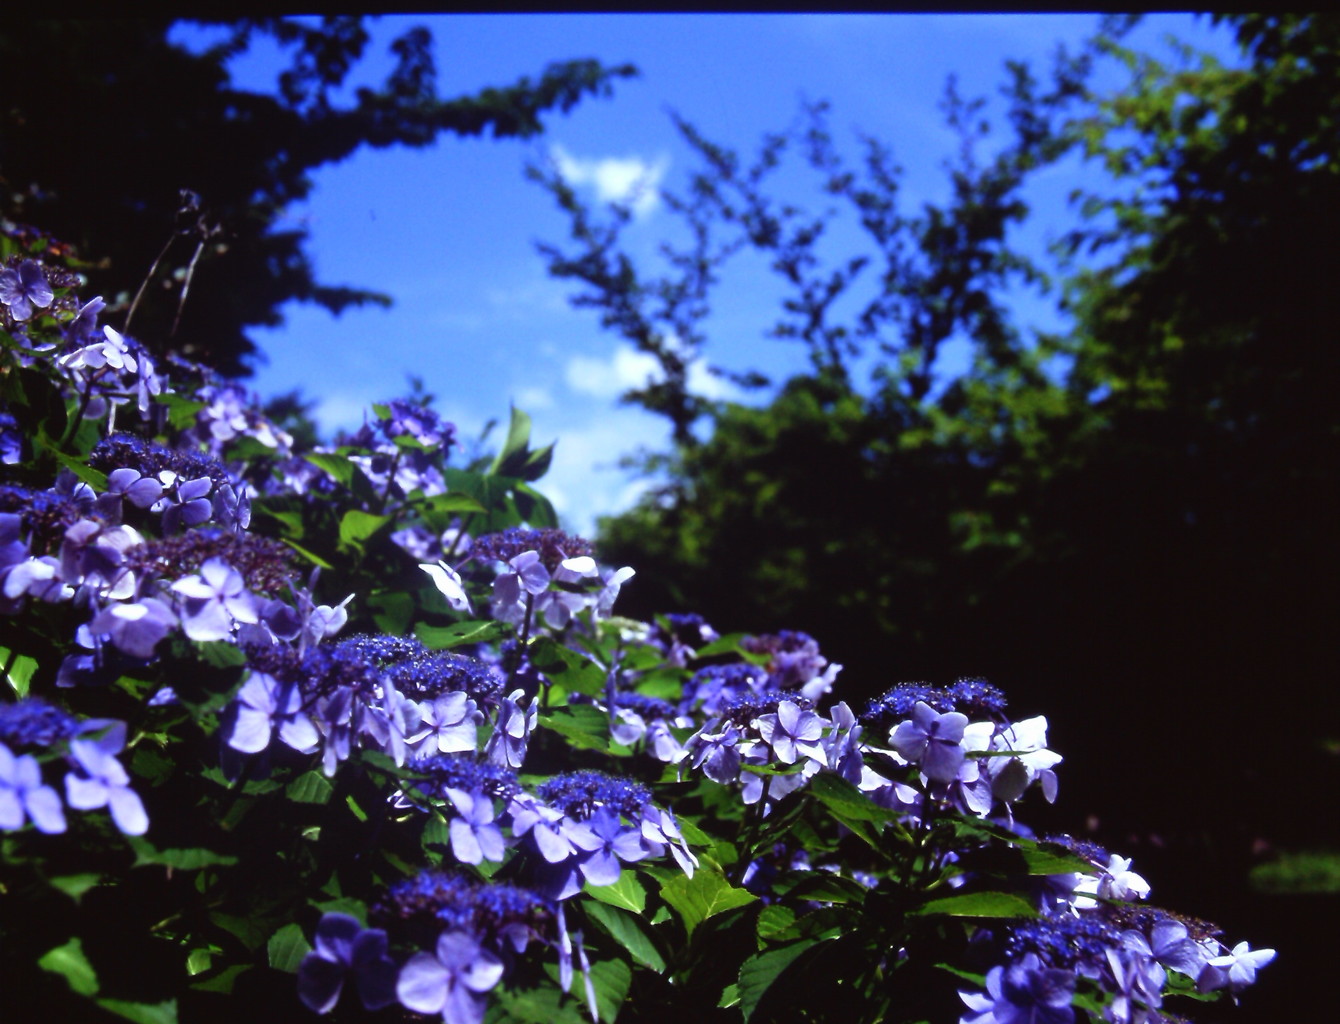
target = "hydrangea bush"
x: 359, y: 729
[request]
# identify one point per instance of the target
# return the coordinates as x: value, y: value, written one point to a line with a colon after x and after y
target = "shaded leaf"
x: 630, y: 931
x: 70, y: 963
x: 758, y: 973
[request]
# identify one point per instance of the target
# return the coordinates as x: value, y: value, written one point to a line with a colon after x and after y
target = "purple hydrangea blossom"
x: 474, y: 835
x: 25, y: 289
x: 933, y: 741
x: 23, y: 795
x: 451, y: 980
x: 792, y: 732
x: 1023, y: 993
x: 135, y: 627
x: 264, y: 704
x: 215, y: 600
x: 344, y: 946
x: 99, y: 780
x: 512, y: 731
x: 1235, y: 969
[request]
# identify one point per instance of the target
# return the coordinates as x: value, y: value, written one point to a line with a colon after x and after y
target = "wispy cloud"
x: 630, y: 180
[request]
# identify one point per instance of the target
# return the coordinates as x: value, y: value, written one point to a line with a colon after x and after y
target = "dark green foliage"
x: 1139, y: 534
x: 104, y: 122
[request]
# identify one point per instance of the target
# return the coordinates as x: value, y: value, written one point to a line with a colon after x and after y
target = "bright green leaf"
x: 439, y: 638
x: 704, y: 895
x: 979, y: 904
x: 75, y: 886
x: 69, y: 962
x: 310, y: 788
x: 287, y: 947
x: 145, y: 1013
x: 626, y: 893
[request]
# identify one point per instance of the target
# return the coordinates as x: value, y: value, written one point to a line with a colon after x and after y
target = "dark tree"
x: 103, y: 123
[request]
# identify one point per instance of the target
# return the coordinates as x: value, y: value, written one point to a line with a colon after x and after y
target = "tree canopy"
x: 1133, y: 518
x: 105, y: 123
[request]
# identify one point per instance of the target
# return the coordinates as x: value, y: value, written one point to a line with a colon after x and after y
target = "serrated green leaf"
x: 221, y: 654
x: 458, y: 634
x: 978, y: 904
x: 630, y: 931
x: 286, y: 948
x: 143, y: 1013
x: 582, y: 725
x: 611, y: 979
x: 627, y: 893
x: 542, y: 1005
x: 758, y: 973
x: 730, y: 996
x: 310, y: 788
x: 70, y: 963
x: 705, y: 895
x: 775, y: 922
x: 198, y: 961
x: 181, y: 411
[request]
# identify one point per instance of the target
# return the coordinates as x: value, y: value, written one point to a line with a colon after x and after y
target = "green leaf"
x: 759, y: 972
x: 75, y: 886
x: 310, y: 788
x: 311, y: 556
x: 144, y: 1013
x: 627, y: 893
x: 221, y: 654
x: 730, y: 996
x: 200, y: 960
x: 340, y: 468
x: 69, y: 962
x: 512, y: 455
x: 583, y: 726
x: 775, y: 922
x: 177, y: 858
x: 825, y: 887
x: 704, y: 895
x: 357, y: 526
x: 391, y: 610
x: 542, y: 1005
x: 568, y: 668
x: 19, y: 670
x: 534, y: 507
x: 630, y: 931
x: 439, y: 638
x: 181, y: 411
x: 611, y: 979
x: 223, y: 981
x: 978, y: 904
x: 286, y: 948
x: 845, y: 800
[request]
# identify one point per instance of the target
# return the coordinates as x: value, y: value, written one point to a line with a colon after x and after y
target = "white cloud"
x: 628, y: 368
x: 337, y: 411
x: 609, y: 378
x: 630, y: 180
x: 534, y: 397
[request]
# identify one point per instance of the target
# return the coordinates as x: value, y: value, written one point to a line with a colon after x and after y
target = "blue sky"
x: 450, y: 230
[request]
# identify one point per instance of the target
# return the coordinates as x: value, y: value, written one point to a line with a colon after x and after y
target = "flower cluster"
x: 421, y: 781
